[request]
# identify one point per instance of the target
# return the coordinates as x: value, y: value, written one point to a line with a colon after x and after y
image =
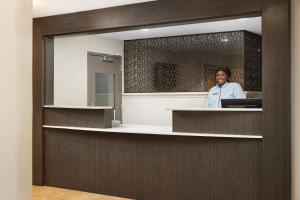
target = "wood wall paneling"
x: 146, y: 14
x: 38, y: 102
x: 49, y: 70
x: 91, y: 118
x: 276, y: 54
x: 242, y: 123
x: 153, y: 167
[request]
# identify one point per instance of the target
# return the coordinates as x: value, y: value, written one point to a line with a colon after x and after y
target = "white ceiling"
x: 249, y: 24
x: 43, y: 8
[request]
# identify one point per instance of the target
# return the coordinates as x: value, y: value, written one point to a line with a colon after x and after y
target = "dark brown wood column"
x: 276, y: 68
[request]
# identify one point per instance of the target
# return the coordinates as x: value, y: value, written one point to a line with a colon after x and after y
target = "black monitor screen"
x: 241, y: 103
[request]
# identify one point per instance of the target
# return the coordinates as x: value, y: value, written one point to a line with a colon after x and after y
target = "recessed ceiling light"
x: 145, y: 29
x: 224, y: 39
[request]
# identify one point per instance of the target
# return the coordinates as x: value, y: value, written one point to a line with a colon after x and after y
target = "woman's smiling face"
x: 221, y: 77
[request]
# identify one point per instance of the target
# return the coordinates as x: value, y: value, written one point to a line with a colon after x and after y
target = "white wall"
x: 70, y: 65
x: 16, y: 100
x: 295, y: 99
x: 150, y: 109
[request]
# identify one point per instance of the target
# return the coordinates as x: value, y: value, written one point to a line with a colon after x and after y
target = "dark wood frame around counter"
x: 276, y: 116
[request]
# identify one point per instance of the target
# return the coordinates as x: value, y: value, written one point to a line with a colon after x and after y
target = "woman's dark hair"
x: 224, y: 69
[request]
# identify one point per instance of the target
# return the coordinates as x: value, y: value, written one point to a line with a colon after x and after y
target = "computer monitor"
x: 241, y: 103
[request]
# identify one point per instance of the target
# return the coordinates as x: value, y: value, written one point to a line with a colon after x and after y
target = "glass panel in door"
x: 105, y: 90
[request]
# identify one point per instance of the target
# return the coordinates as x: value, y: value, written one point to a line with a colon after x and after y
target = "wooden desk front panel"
x: 153, y: 167
x: 92, y: 118
x: 223, y: 122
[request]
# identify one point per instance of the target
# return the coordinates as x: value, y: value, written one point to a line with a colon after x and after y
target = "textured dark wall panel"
x: 186, y: 63
x: 152, y: 167
x: 241, y: 123
x: 252, y: 68
x: 92, y: 118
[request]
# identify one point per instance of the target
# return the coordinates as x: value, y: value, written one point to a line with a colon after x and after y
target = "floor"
x: 50, y: 193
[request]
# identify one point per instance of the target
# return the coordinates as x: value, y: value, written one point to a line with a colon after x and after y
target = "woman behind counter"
x: 224, y: 89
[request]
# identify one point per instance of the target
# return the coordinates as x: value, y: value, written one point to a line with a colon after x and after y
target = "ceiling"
x: 249, y: 24
x: 42, y: 8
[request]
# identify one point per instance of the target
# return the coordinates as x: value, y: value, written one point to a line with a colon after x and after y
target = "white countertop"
x: 181, y: 93
x: 217, y: 109
x: 78, y: 107
x: 153, y: 130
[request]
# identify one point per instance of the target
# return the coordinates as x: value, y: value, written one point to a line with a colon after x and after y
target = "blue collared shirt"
x: 226, y: 91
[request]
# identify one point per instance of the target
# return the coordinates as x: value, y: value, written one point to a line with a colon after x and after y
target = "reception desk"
x: 242, y: 121
x: 78, y: 116
x: 187, y: 161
